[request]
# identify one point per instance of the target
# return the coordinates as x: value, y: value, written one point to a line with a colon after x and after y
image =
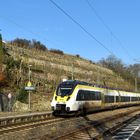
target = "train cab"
x: 62, y: 96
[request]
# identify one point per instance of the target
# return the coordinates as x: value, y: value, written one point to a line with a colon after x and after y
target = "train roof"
x: 76, y: 82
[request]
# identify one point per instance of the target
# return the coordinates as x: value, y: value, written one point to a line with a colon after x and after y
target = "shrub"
x: 22, y: 96
x: 77, y: 55
x: 57, y: 51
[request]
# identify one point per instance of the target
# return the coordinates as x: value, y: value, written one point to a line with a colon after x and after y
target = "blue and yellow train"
x: 74, y: 96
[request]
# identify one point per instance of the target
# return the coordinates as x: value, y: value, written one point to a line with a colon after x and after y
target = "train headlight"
x: 68, y: 98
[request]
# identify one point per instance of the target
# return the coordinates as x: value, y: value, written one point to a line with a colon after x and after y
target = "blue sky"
x: 41, y: 20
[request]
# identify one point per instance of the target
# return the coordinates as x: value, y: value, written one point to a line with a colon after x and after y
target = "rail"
x: 115, y: 122
x: 25, y: 118
x: 92, y: 126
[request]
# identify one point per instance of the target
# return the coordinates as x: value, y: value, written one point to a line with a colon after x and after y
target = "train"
x: 74, y: 96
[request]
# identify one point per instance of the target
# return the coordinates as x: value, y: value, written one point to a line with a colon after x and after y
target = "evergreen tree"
x: 1, y: 53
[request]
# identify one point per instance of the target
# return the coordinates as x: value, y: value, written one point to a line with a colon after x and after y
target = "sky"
x: 93, y: 29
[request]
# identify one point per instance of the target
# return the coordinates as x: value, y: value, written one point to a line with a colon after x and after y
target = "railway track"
x: 27, y: 125
x: 130, y: 130
x: 101, y: 128
x: 7, y: 120
x: 92, y: 126
x: 25, y: 121
x: 20, y: 123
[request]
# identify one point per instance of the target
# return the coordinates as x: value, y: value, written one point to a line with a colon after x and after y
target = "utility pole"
x: 72, y: 71
x: 20, y: 71
x: 29, y: 84
x: 98, y: 77
x: 136, y: 88
x: 116, y: 81
x: 29, y: 88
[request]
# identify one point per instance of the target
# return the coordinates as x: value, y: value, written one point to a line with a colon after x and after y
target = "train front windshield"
x: 65, y: 88
x: 64, y: 91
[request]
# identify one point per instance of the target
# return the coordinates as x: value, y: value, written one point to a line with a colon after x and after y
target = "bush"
x: 22, y: 96
x: 11, y: 63
x: 57, y: 51
x: 24, y: 43
x: 77, y: 55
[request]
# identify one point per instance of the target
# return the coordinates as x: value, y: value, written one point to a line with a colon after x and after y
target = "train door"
x: 119, y: 98
x: 80, y: 100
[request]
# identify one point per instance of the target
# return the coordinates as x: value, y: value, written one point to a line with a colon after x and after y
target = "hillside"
x: 49, y: 68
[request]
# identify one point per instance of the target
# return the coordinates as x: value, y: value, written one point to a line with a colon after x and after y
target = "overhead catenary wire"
x: 109, y: 29
x: 81, y: 26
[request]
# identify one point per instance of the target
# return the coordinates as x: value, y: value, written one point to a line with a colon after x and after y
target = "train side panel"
x: 90, y: 98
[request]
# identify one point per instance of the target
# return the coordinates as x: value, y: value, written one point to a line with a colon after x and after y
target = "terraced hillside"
x: 49, y: 68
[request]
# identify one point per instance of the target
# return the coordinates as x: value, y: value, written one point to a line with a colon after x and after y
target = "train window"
x: 125, y: 99
x: 65, y: 88
x: 109, y: 99
x: 117, y: 98
x: 96, y: 95
x: 64, y: 91
x: 122, y: 99
x: 88, y: 95
x: 134, y: 99
x: 80, y: 95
